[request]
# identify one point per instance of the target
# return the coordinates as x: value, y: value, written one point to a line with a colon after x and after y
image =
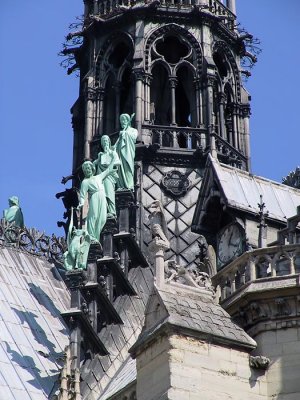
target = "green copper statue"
x: 78, y: 241
x: 125, y: 147
x: 105, y: 158
x: 14, y: 214
x: 93, y: 185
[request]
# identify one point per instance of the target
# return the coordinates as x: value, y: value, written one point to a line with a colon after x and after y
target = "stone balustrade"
x: 176, y: 137
x: 269, y: 262
x: 104, y: 8
x: 228, y: 153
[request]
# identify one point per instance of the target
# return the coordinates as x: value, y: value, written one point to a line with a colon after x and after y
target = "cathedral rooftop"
x: 33, y: 335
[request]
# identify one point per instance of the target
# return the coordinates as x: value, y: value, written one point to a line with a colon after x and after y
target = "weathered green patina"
x: 14, y: 214
x: 105, y: 158
x: 93, y: 185
x: 125, y: 147
x: 78, y: 241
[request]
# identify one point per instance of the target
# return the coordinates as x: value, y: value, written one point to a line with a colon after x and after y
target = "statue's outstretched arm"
x: 65, y: 179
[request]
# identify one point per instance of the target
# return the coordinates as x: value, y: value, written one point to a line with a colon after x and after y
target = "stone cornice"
x: 266, y: 304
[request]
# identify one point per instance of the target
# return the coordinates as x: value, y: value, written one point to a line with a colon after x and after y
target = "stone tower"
x: 176, y: 66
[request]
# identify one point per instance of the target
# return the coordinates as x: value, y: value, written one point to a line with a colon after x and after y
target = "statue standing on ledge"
x: 125, y: 147
x: 78, y: 241
x: 105, y: 158
x: 93, y: 184
x: 14, y: 214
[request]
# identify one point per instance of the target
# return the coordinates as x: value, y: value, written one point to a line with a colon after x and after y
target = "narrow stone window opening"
x: 109, y: 105
x: 160, y: 96
x: 185, y: 98
x: 126, y: 95
x: 221, y: 64
x: 118, y: 55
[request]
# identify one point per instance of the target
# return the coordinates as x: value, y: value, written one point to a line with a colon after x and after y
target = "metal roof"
x: 242, y: 190
x: 124, y: 377
x: 33, y: 336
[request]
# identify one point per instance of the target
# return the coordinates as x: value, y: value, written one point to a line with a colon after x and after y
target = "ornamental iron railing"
x: 32, y: 241
x: 270, y: 262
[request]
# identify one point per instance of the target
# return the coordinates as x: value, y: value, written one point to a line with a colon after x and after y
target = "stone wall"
x: 282, y: 347
x: 183, y: 368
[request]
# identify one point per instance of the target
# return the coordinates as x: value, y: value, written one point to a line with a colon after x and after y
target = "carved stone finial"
x: 262, y: 226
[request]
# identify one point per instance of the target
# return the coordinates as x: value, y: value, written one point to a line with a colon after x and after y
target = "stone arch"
x: 177, y: 30
x: 282, y: 263
x: 163, y: 64
x: 263, y: 265
x: 102, y: 56
x: 222, y: 47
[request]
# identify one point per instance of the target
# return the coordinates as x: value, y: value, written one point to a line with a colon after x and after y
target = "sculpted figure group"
x: 112, y: 170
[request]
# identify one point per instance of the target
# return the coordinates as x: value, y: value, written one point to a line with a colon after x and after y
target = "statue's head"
x: 88, y: 169
x: 125, y: 120
x: 105, y: 142
x: 155, y: 207
x: 13, y: 201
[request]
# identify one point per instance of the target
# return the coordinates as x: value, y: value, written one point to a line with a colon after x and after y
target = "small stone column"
x: 210, y: 125
x: 91, y: 97
x: 246, y: 115
x: 139, y: 75
x: 236, y: 143
x: 100, y: 112
x: 148, y: 79
x: 158, y: 247
x: 222, y: 98
x: 173, y: 84
x: 199, y: 116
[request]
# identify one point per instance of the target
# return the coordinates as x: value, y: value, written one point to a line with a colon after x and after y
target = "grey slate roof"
x: 183, y: 309
x: 32, y: 334
x: 103, y: 373
x: 123, y: 378
x: 242, y: 190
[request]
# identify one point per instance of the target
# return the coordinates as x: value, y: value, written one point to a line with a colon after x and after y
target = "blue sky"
x: 36, y: 95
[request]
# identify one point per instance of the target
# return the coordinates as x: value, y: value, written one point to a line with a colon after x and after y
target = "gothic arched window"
x: 113, y: 75
x: 173, y: 61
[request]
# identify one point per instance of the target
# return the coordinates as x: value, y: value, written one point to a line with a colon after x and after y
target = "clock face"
x: 230, y: 244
